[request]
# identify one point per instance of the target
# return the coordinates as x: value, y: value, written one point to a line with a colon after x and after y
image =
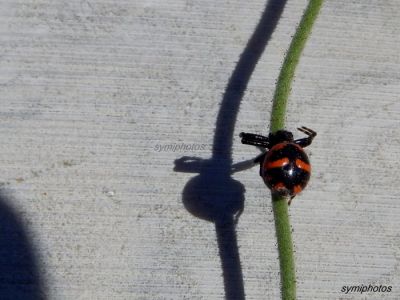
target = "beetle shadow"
x: 213, y: 195
x: 19, y: 274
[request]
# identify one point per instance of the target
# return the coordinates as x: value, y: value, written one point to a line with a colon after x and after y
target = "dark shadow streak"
x: 213, y: 195
x: 19, y: 275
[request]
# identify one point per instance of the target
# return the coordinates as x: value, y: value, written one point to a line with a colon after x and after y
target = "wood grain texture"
x: 91, y: 90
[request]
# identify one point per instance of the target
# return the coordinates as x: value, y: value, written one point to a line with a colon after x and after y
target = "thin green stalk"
x: 279, y: 203
x: 285, y: 248
x: 283, y: 85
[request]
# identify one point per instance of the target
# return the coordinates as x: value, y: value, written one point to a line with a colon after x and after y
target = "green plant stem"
x: 279, y: 203
x: 286, y: 75
x: 285, y: 248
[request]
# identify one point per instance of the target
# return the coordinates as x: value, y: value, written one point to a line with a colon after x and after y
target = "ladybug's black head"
x: 280, y: 136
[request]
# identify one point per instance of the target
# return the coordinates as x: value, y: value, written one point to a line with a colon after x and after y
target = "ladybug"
x: 284, y: 167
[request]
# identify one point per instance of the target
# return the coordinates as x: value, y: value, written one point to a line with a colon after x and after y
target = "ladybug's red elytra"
x: 285, y: 166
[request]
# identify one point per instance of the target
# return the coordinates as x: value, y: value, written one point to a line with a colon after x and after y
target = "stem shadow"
x: 213, y: 195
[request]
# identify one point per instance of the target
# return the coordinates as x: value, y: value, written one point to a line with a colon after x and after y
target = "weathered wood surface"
x: 93, y: 92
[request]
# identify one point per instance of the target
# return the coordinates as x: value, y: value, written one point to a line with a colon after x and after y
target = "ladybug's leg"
x: 308, y: 140
x: 290, y: 200
x: 260, y: 159
x: 254, y: 139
